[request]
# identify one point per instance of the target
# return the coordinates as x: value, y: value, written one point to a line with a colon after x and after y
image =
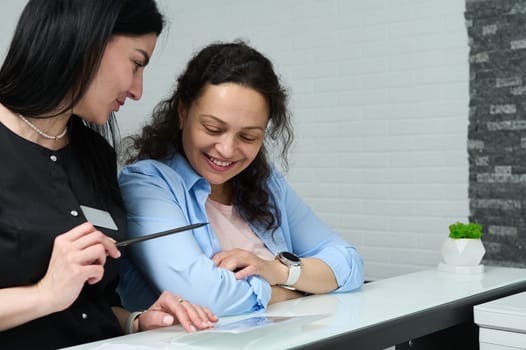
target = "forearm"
x: 281, y: 294
x: 202, y: 283
x: 19, y: 305
x: 316, y: 277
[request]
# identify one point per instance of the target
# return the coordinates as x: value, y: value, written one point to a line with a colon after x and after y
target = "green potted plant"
x: 463, y: 247
x: 459, y: 230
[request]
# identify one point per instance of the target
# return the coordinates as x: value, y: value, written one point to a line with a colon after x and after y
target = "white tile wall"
x: 380, y: 96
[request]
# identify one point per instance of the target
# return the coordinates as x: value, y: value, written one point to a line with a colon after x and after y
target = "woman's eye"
x: 212, y: 130
x: 248, y: 138
x: 137, y: 65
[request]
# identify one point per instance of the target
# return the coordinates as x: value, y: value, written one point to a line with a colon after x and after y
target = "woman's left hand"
x: 170, y: 309
x: 244, y: 263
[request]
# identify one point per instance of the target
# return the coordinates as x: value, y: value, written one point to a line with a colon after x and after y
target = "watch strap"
x: 294, y: 275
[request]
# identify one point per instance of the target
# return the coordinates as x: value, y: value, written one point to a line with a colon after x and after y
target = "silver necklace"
x: 40, y: 132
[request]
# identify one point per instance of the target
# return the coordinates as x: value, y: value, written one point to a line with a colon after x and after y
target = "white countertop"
x: 376, y: 302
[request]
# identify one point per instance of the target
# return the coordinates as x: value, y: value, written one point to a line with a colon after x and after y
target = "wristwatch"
x: 293, y: 262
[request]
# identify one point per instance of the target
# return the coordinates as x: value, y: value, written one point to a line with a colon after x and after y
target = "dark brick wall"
x: 497, y: 127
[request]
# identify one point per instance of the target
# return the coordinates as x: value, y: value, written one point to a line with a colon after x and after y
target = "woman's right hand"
x: 171, y: 309
x: 78, y: 257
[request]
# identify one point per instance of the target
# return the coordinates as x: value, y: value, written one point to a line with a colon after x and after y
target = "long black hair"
x: 54, y: 55
x: 218, y: 63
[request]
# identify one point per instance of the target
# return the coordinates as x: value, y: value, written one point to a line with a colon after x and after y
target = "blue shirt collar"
x: 188, y: 175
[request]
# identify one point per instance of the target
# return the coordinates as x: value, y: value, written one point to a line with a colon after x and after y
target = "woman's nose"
x: 135, y: 92
x: 226, y: 146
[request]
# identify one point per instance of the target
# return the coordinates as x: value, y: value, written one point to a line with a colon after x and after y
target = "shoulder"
x: 277, y: 181
x: 147, y: 176
x: 160, y: 179
x: 175, y: 172
x: 146, y: 167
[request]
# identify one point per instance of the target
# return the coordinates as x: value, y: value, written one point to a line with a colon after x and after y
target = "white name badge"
x: 98, y: 217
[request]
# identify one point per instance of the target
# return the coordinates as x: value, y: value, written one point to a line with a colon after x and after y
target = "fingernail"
x: 193, y: 328
x: 168, y: 320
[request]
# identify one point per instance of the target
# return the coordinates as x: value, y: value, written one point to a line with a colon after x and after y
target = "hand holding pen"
x: 78, y: 257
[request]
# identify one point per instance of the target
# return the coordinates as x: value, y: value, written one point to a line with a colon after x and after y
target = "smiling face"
x: 223, y: 131
x: 119, y: 76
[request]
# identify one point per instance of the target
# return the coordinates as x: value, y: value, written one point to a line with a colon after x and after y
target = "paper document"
x: 256, y: 322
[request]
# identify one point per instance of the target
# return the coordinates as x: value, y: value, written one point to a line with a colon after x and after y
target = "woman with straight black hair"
x: 70, y: 66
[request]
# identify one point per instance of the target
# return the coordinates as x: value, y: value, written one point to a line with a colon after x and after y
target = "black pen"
x: 159, y: 234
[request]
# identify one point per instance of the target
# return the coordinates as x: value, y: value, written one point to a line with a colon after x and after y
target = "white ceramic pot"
x: 462, y: 251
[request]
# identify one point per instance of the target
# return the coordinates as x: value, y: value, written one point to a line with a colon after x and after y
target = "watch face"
x: 289, y: 256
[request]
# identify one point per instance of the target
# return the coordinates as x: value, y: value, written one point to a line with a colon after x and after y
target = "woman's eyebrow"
x: 223, y: 123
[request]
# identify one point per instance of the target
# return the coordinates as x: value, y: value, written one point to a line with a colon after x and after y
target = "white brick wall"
x: 380, y: 96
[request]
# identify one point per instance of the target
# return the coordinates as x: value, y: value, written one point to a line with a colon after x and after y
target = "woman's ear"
x: 181, y: 114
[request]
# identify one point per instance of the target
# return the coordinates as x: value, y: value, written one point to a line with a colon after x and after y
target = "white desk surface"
x: 379, y: 301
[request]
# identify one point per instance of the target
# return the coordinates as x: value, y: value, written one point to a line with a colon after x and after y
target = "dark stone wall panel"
x: 497, y: 126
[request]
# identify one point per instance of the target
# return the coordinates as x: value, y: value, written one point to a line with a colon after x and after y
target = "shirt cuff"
x: 262, y: 290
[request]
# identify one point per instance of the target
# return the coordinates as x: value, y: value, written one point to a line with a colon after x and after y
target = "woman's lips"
x: 219, y: 165
x: 119, y: 104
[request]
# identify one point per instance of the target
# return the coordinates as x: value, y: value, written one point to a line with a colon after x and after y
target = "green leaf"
x: 461, y: 230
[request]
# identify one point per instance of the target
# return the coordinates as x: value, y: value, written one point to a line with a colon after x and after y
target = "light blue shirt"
x: 161, y: 195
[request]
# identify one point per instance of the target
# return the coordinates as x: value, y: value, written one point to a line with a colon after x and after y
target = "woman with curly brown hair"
x: 204, y: 158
